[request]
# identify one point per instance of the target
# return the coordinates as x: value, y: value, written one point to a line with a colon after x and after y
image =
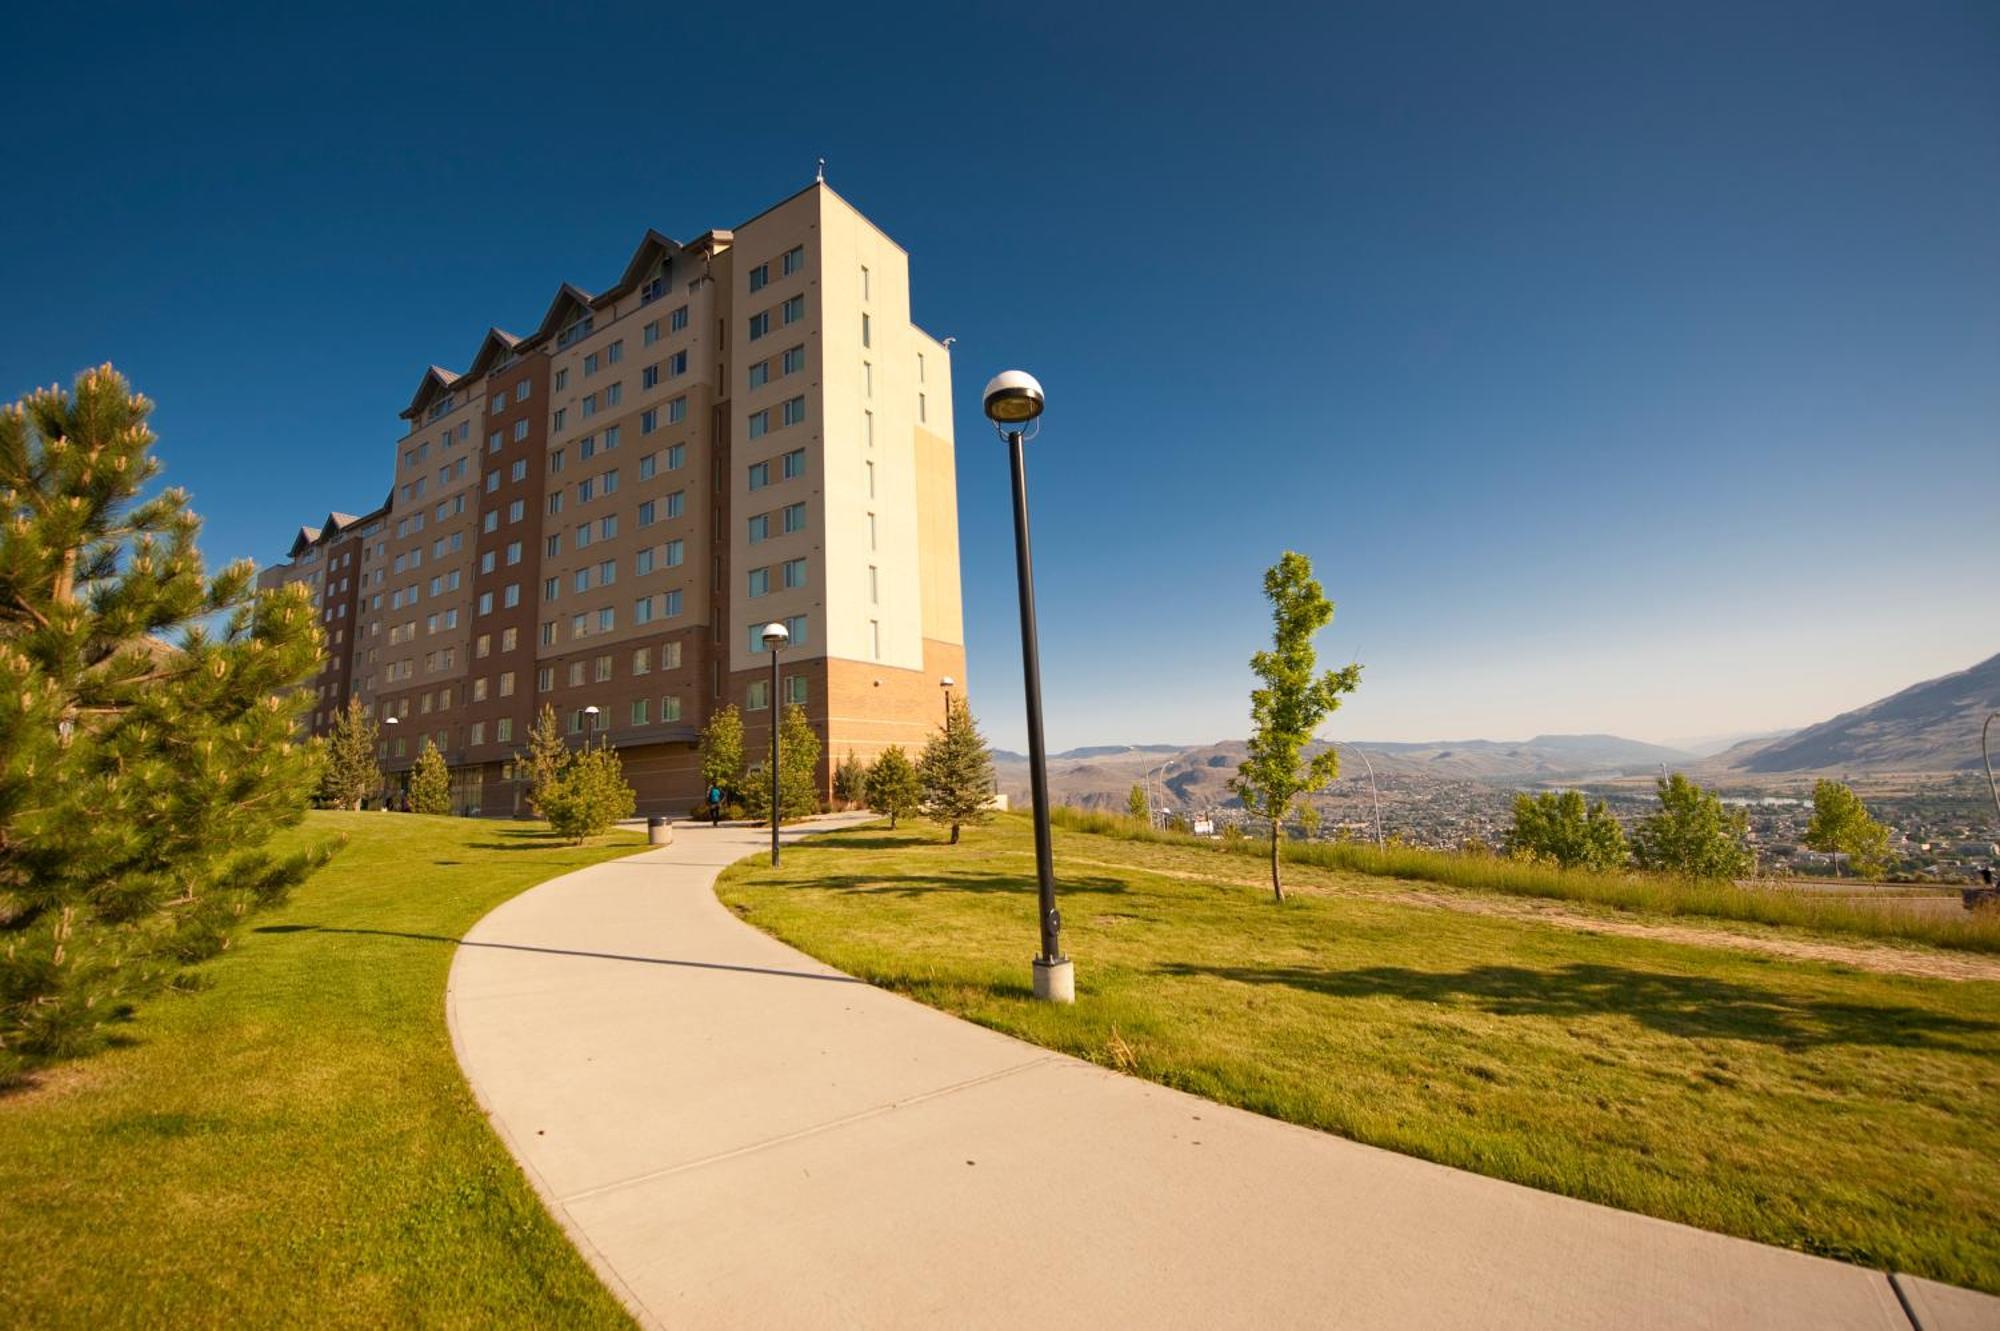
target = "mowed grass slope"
x: 294, y: 1145
x: 1843, y: 1112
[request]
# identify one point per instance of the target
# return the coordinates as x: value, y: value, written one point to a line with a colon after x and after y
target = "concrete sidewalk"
x: 737, y: 1135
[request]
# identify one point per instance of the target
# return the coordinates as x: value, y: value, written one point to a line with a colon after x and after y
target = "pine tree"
x: 348, y: 772
x: 893, y: 787
x: 1137, y: 806
x: 850, y: 781
x: 588, y: 795
x: 798, y: 751
x: 147, y: 725
x: 430, y: 782
x: 1294, y: 701
x: 956, y: 772
x: 547, y: 757
x: 722, y: 751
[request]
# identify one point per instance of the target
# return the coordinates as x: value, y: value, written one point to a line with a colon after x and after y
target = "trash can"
x: 657, y: 831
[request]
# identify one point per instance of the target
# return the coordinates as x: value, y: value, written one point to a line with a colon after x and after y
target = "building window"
x: 871, y: 478
x: 760, y: 374
x: 795, y: 573
x: 794, y: 464
x: 874, y: 587
x: 867, y: 330
x: 677, y: 411
x: 796, y: 625
x: 760, y: 324
x: 795, y: 310
x: 868, y: 428
x: 864, y: 281
x: 760, y: 475
x: 795, y: 411
x: 503, y: 730
x: 760, y: 276
x: 760, y: 528
x: 642, y: 660
x: 670, y: 708
x: 562, y: 379
x: 795, y: 517
x: 670, y: 605
x: 649, y: 420
x: 795, y: 360
x: 760, y: 423
x: 673, y: 553
x: 521, y: 390
x: 642, y: 610
x: 875, y: 639
x: 640, y: 708
x: 757, y: 697
x: 646, y: 513
x: 590, y: 365
x: 795, y: 689
x: 676, y: 502
x: 678, y: 320
x: 795, y: 259
x: 760, y: 581
x: 615, y: 352
x: 650, y: 334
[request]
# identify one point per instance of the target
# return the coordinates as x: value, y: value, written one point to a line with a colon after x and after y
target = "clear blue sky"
x: 1621, y: 367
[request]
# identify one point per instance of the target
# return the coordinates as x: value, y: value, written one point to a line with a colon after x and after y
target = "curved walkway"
x: 737, y: 1135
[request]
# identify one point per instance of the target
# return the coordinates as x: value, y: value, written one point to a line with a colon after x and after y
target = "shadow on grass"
x: 881, y: 839
x: 882, y: 885
x: 560, y: 952
x: 1687, y: 1006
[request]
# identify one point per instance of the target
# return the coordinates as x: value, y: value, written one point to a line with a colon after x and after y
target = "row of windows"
x: 794, y: 625
x: 600, y: 668
x: 791, y: 574
x: 790, y: 412
x: 789, y: 313
x: 791, y: 262
x: 499, y: 402
x: 757, y: 697
x: 791, y: 465
x: 793, y: 517
x: 791, y: 362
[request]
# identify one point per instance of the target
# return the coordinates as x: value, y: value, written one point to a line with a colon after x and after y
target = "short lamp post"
x: 590, y: 715
x: 1014, y: 402
x: 388, y: 721
x: 946, y: 684
x: 776, y: 635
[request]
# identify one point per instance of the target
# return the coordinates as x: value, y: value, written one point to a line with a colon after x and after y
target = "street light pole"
x: 1013, y: 401
x: 775, y: 636
x: 1379, y: 847
x: 946, y: 684
x: 1986, y: 756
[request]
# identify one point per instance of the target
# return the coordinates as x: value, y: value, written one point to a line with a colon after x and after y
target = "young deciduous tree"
x: 1693, y: 835
x: 1561, y: 828
x: 893, y: 787
x: 1841, y: 826
x: 430, y: 782
x: 349, y: 772
x: 722, y: 751
x: 548, y: 756
x: 1137, y: 805
x: 588, y: 795
x: 1293, y: 703
x: 798, y: 751
x: 147, y: 726
x: 955, y: 771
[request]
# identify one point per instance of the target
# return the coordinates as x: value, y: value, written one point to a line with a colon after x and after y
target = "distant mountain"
x: 1197, y: 777
x: 1928, y: 727
x: 1704, y: 746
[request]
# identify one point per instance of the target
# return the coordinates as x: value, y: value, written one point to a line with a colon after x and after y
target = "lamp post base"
x: 1055, y: 981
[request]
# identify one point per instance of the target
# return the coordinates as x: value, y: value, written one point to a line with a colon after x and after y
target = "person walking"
x: 715, y: 805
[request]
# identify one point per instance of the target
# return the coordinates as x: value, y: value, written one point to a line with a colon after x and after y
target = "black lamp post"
x: 776, y: 635
x: 1013, y: 402
x: 946, y: 684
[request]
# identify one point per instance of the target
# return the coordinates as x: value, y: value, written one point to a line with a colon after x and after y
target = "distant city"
x: 1913, y: 757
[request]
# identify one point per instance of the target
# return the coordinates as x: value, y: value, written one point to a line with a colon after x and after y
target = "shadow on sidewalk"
x: 560, y: 952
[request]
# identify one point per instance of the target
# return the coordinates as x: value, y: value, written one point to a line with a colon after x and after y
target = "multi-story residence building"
x: 604, y: 513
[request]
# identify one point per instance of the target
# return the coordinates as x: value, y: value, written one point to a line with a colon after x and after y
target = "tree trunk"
x: 892, y: 820
x: 954, y: 834
x: 1277, y: 884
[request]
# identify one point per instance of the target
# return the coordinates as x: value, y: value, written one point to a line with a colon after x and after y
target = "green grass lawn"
x: 294, y: 1144
x: 1841, y: 1111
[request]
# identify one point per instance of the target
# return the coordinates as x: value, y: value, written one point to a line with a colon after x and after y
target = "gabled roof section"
x: 494, y: 348
x: 303, y: 542
x: 652, y: 248
x: 436, y: 379
x: 569, y: 301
